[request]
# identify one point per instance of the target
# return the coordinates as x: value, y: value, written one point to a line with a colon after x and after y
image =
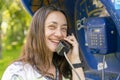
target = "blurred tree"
x: 14, y: 21
x: 1, y: 9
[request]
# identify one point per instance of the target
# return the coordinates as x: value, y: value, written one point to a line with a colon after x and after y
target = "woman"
x: 39, y: 60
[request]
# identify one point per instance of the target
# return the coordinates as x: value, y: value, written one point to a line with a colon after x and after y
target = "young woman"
x: 39, y: 61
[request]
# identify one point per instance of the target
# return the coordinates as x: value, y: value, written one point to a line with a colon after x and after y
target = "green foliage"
x: 15, y: 23
x: 8, y: 57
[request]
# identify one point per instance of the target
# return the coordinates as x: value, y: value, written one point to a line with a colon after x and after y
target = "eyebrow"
x: 56, y: 23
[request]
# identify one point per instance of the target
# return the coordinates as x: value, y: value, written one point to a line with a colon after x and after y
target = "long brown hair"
x: 35, y: 50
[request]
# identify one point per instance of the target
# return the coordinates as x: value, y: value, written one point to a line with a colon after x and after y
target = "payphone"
x: 100, y: 35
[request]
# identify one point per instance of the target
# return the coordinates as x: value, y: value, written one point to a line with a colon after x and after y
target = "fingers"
x: 71, y: 39
x: 74, y: 52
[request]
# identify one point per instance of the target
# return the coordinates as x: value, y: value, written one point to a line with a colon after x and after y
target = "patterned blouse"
x: 18, y: 71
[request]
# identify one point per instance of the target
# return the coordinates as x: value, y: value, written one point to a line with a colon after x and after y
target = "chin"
x: 53, y: 49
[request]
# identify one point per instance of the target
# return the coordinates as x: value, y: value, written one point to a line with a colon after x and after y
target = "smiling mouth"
x: 55, y: 42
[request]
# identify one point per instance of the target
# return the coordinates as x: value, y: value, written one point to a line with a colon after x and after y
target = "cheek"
x: 48, y: 33
x: 64, y: 34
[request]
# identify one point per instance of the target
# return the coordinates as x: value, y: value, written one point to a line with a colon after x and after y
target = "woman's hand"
x: 73, y: 54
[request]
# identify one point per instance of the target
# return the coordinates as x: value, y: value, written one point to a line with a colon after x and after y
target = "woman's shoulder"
x: 19, y: 67
x: 20, y: 70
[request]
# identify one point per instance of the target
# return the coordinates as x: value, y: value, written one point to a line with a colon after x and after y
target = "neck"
x: 52, y: 68
x: 51, y: 59
x: 52, y: 71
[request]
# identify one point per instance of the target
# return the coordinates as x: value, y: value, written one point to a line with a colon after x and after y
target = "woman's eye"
x: 52, y: 27
x: 64, y: 29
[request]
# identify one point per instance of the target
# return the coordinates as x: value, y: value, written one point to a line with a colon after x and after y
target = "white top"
x: 18, y: 71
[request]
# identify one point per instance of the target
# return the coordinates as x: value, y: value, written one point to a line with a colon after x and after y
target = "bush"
x: 8, y: 56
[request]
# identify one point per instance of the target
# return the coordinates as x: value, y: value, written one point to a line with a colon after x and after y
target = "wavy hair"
x: 35, y: 50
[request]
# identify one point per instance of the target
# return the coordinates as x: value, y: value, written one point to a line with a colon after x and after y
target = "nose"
x: 58, y: 33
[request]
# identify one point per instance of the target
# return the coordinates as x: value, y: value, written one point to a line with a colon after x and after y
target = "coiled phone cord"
x: 103, y: 71
x: 118, y: 77
x: 71, y: 66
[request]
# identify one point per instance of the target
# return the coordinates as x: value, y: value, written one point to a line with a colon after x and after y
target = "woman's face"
x: 55, y: 29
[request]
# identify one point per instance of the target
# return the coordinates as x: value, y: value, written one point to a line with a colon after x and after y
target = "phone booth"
x: 98, y: 32
x: 96, y: 24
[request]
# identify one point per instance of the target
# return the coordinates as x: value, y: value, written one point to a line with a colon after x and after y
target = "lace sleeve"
x: 16, y: 77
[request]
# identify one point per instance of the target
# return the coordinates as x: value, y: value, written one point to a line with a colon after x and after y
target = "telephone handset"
x: 62, y: 47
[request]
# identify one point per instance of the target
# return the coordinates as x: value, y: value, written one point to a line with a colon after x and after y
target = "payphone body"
x: 100, y: 35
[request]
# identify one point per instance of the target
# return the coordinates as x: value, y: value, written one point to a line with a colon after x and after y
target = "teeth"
x: 55, y: 41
